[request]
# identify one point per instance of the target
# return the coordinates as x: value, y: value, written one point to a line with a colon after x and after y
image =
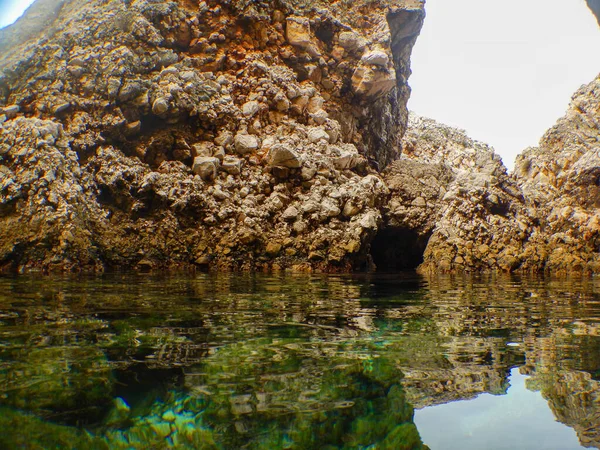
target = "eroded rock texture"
x: 454, y: 193
x: 222, y: 134
x: 453, y: 206
x: 561, y: 182
x: 461, y: 210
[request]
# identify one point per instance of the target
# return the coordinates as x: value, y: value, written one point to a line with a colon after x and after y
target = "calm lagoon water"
x: 299, y: 362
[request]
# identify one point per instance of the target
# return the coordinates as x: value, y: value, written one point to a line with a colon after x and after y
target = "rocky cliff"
x: 455, y: 196
x: 463, y: 211
x: 561, y: 182
x: 266, y: 136
x: 454, y: 208
x: 217, y: 134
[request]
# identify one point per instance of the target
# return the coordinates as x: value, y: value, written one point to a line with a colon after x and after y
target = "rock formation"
x: 266, y: 136
x: 453, y: 207
x: 561, y: 182
x: 222, y: 134
x: 455, y: 195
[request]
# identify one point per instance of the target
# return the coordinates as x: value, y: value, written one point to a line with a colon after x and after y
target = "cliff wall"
x: 266, y: 136
x: 231, y: 135
x: 466, y: 213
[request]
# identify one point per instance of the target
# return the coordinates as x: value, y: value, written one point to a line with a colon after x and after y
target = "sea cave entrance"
x: 396, y: 249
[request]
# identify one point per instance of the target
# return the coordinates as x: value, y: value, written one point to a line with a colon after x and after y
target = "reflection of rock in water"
x: 305, y: 352
x: 474, y: 367
x: 66, y: 384
x: 574, y: 398
x: 281, y: 393
x: 555, y: 324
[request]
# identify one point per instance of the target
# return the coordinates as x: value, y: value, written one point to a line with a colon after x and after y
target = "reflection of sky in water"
x: 521, y: 419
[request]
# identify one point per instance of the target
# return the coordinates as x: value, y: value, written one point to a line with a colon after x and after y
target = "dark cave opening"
x: 397, y: 249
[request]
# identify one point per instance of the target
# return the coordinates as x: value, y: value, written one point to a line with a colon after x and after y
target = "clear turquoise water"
x: 294, y: 362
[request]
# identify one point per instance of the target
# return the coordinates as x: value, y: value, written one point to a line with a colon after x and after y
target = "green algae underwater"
x: 205, y: 373
x: 273, y: 362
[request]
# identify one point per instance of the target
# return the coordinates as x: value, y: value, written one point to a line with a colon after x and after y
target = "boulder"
x: 232, y: 165
x: 245, y: 143
x: 206, y: 167
x: 282, y: 156
x: 376, y: 58
x: 298, y: 32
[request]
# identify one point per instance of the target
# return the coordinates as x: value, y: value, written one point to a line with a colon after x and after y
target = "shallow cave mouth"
x: 396, y: 249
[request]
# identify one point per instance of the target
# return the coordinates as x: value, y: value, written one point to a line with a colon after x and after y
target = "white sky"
x: 503, y: 70
x: 11, y: 10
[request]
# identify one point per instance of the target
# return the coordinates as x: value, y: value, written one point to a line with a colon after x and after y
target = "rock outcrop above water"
x: 561, y: 181
x: 216, y: 134
x: 455, y: 193
x: 262, y: 137
x: 466, y: 213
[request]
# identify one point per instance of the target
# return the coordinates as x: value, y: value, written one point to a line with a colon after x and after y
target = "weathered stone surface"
x: 245, y: 143
x: 318, y: 134
x: 249, y: 109
x: 351, y: 41
x: 456, y: 197
x: 10, y: 111
x: 454, y: 194
x: 376, y: 57
x: 561, y: 183
x: 232, y: 165
x: 206, y: 167
x: 298, y: 31
x: 161, y: 95
x: 372, y: 83
x: 283, y: 156
x: 160, y: 106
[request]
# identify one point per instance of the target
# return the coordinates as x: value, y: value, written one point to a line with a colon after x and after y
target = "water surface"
x: 293, y: 362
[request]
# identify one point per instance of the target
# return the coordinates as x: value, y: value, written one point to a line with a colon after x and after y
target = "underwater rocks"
x: 212, y: 135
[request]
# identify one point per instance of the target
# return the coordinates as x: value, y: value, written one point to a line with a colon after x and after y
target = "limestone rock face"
x: 466, y: 213
x: 150, y: 136
x: 454, y: 194
x: 561, y: 183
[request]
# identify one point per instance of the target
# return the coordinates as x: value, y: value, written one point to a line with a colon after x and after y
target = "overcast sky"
x: 503, y: 70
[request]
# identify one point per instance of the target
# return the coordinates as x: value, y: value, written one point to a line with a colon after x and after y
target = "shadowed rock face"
x: 595, y: 7
x: 219, y: 135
